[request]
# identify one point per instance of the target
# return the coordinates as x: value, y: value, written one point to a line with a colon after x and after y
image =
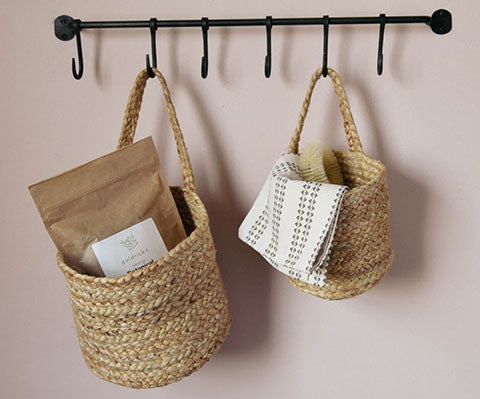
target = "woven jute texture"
x: 361, y: 251
x: 156, y: 325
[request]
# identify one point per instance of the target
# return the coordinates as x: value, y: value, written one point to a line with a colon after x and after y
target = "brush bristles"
x: 317, y: 162
x: 331, y: 166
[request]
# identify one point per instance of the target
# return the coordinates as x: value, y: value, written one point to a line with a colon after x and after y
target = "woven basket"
x: 156, y: 325
x: 361, y: 251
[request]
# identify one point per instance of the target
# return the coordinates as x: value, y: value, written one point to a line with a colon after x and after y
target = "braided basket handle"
x: 350, y: 128
x: 130, y: 120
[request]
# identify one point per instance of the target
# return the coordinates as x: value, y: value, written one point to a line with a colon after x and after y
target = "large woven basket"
x: 156, y: 325
x: 361, y: 251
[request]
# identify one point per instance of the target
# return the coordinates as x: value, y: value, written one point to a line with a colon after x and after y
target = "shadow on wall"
x: 245, y: 274
x: 102, y: 68
x: 408, y: 199
x: 98, y: 66
x: 408, y: 196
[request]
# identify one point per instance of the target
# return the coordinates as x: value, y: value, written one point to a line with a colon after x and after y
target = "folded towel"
x: 292, y: 222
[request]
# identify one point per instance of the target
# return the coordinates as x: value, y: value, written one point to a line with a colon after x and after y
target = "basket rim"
x: 203, y: 223
x: 382, y: 171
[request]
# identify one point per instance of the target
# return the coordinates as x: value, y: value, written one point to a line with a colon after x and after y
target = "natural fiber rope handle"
x: 350, y: 128
x: 130, y: 120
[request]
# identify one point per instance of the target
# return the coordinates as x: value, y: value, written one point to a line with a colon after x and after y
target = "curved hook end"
x: 76, y: 75
x: 268, y: 66
x: 380, y: 64
x: 204, y: 67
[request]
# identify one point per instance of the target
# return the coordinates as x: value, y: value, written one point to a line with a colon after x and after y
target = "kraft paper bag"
x: 103, y: 197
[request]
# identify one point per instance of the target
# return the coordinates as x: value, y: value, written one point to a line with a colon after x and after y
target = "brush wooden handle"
x: 130, y: 120
x: 350, y: 128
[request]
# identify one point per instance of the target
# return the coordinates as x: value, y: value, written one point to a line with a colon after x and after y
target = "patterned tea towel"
x: 292, y: 222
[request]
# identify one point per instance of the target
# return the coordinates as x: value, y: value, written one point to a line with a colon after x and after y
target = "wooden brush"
x: 317, y: 162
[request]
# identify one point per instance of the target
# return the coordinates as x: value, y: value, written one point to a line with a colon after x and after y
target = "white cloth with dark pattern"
x: 292, y: 222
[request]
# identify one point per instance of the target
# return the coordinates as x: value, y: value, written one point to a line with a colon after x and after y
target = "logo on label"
x: 130, y: 242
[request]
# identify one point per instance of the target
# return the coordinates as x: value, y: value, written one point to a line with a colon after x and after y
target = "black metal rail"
x: 66, y: 28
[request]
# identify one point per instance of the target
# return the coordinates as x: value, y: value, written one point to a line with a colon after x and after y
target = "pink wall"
x: 413, y: 336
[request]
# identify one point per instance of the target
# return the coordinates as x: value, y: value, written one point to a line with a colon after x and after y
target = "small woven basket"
x: 361, y: 251
x: 156, y: 325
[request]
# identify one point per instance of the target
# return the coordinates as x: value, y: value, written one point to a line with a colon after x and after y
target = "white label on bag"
x: 131, y: 249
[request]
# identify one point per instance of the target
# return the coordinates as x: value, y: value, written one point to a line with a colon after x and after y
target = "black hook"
x: 325, y: 46
x: 380, y: 45
x: 268, y: 57
x: 153, y: 29
x: 205, y: 47
x: 76, y: 24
